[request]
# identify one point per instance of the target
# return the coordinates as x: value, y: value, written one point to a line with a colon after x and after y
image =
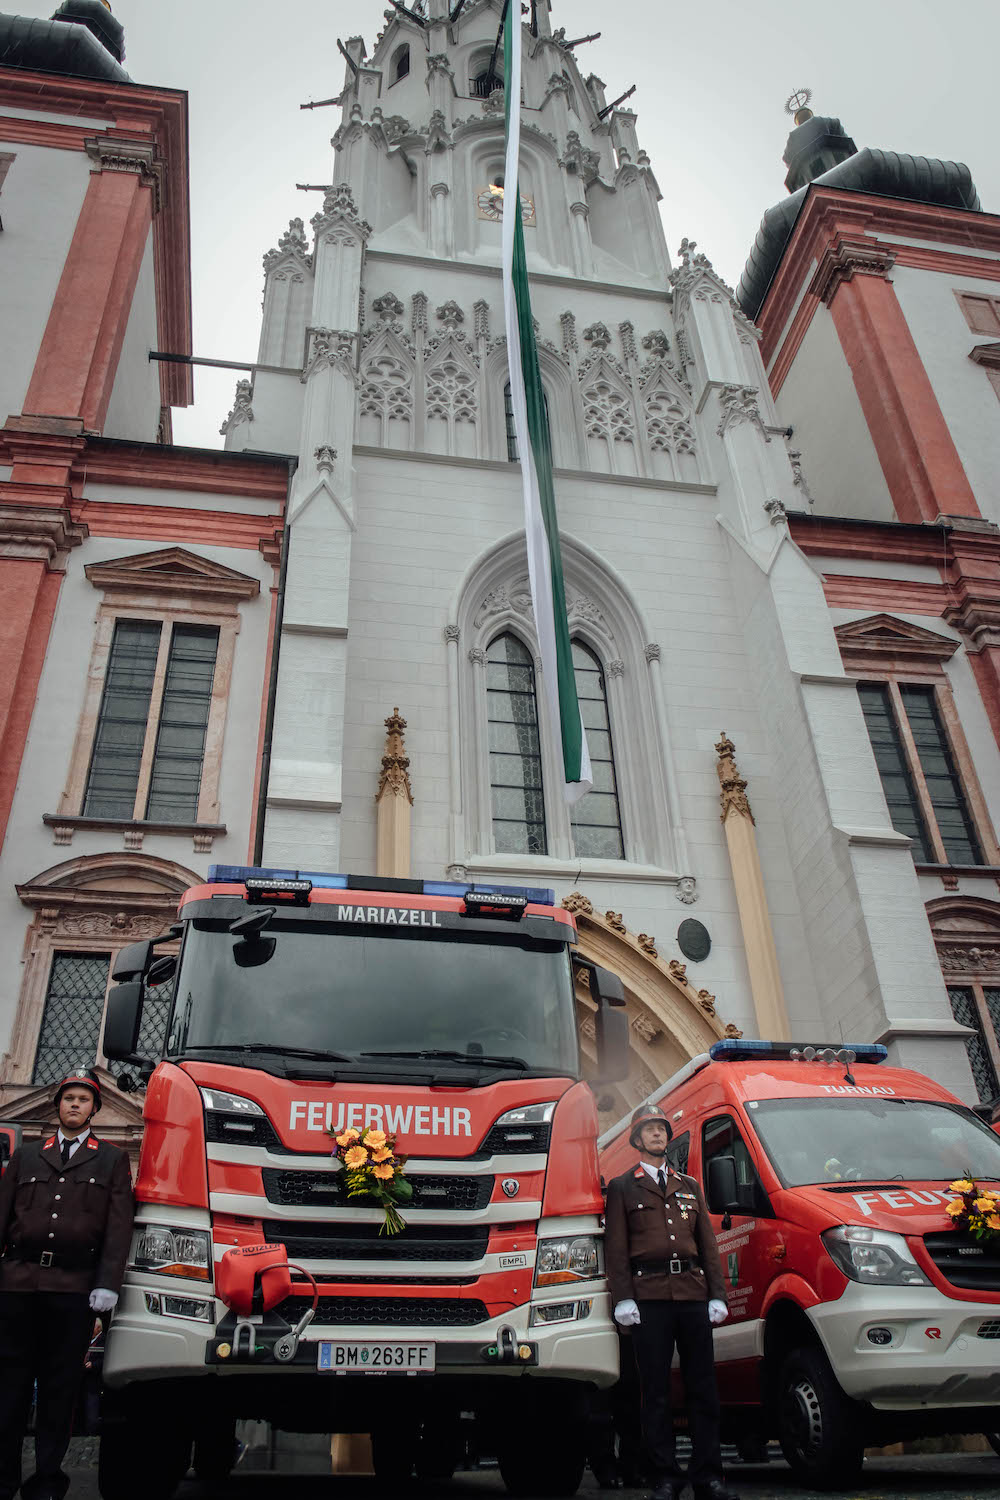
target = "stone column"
x: 751, y: 899
x: 678, y: 836
x: 394, y: 800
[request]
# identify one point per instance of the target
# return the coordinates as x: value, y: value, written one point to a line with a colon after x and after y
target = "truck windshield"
x: 442, y: 997
x: 873, y: 1140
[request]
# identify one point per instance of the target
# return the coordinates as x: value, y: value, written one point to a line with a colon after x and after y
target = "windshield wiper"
x: 448, y: 1056
x: 278, y: 1048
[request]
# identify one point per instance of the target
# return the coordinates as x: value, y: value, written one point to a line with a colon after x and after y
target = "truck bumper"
x: 145, y: 1346
x: 939, y: 1353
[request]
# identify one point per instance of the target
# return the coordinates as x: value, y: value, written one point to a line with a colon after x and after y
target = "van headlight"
x: 170, y: 1250
x: 873, y: 1256
x: 576, y: 1259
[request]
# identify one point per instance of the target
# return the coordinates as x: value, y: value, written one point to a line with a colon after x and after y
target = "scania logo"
x: 511, y: 1186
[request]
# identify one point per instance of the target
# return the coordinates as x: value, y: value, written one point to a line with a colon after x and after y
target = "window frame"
x: 965, y: 297
x: 987, y: 1028
x: 528, y: 854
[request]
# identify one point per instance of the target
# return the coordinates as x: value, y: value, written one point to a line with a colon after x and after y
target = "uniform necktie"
x: 64, y: 1149
x: 661, y: 1178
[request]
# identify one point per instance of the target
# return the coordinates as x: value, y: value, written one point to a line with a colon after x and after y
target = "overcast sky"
x: 712, y: 83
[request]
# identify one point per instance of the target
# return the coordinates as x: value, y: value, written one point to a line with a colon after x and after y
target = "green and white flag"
x: 531, y: 424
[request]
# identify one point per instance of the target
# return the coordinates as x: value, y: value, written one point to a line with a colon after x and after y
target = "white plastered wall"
x: 134, y: 408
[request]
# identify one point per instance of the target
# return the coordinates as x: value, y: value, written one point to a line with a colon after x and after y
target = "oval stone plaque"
x: 693, y: 940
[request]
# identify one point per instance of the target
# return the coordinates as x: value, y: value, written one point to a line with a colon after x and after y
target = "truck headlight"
x: 171, y: 1250
x: 576, y: 1259
x: 872, y: 1256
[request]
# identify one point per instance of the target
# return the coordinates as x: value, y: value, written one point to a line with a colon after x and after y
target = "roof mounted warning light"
x: 754, y: 1051
x: 506, y: 907
x: 288, y: 892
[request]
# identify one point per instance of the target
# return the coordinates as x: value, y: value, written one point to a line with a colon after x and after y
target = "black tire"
x: 392, y: 1457
x: 993, y: 1438
x: 131, y: 1461
x: 215, y: 1451
x: 818, y: 1427
x: 551, y: 1473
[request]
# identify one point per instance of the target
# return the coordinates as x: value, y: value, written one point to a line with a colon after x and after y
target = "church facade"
x: 315, y: 648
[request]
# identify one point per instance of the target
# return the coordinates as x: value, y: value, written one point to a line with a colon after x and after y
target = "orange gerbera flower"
x: 356, y: 1157
x: 383, y: 1172
x: 381, y: 1153
x: 985, y: 1205
x: 374, y: 1137
x: 963, y: 1185
x: 955, y: 1208
x: 347, y: 1137
x: 994, y: 1221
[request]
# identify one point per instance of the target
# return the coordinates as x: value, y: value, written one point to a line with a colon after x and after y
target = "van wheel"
x: 817, y: 1425
x: 128, y: 1462
x: 552, y: 1473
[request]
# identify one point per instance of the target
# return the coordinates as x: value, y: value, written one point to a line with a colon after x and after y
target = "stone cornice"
x: 542, y: 278
x: 846, y: 259
x: 112, y: 154
x: 38, y: 533
x: 503, y: 466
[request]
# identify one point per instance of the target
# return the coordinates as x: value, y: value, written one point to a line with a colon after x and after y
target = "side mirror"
x: 122, y: 1020
x: 606, y: 987
x: 723, y: 1186
x: 132, y: 961
x: 611, y: 1031
x: 162, y: 969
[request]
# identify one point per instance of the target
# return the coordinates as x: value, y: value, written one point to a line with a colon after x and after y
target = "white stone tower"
x: 382, y: 365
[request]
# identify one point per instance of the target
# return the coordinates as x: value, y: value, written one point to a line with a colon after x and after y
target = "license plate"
x: 342, y: 1358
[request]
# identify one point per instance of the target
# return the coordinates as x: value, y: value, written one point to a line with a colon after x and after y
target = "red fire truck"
x: 443, y: 1014
x: 858, y: 1314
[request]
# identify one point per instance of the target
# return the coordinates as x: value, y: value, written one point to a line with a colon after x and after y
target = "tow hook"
x: 250, y: 1326
x: 286, y: 1347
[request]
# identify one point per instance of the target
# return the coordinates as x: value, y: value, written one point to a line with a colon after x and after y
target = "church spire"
x: 817, y: 143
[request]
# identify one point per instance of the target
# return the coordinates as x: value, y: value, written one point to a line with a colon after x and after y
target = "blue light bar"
x: 749, y: 1051
x: 237, y: 874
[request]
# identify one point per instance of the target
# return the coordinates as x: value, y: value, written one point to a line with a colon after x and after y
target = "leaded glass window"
x: 944, y: 786
x: 508, y: 418
x: 596, y: 819
x: 966, y: 1013
x: 180, y: 739
x: 890, y: 758
x: 121, y: 726
x: 517, y: 800
x: 74, y: 1008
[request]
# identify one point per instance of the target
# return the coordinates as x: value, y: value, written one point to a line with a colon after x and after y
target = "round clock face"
x: 491, y: 203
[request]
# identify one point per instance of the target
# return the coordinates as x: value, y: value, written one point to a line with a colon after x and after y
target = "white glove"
x: 102, y: 1301
x: 627, y: 1312
x: 718, y: 1312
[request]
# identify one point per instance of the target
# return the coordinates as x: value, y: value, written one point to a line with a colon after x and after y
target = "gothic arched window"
x: 484, y: 78
x: 508, y: 418
x: 400, y: 63
x: 596, y: 819
x: 516, y: 798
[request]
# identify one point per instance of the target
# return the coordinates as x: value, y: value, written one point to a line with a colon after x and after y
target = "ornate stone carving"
x: 798, y: 478
x: 738, y: 404
x: 241, y: 410
x: 501, y: 600
x: 668, y: 428
x: 293, y: 242
x: 481, y: 319
x: 651, y: 652
x: 645, y: 1028
x: 452, y: 385
x: 569, y: 339
x: 656, y: 344
x: 647, y: 944
x: 202, y: 843
x: 847, y: 259
x: 962, y: 960
x: 687, y: 890
x: 62, y: 833
x: 695, y: 275
x: 607, y: 404
x: 419, y: 317
x: 614, y: 921
x: 626, y: 332
x: 387, y: 386
x: 110, y: 924
x: 616, y: 668
x: 452, y: 633
x: 450, y: 314
x: 494, y: 103
x: 576, y: 901
x: 394, y: 777
x: 113, y: 155
x: 132, y: 838
x: 677, y: 970
x: 597, y: 335
x: 340, y: 210
x: 388, y: 308
x: 588, y: 1028
x: 325, y: 457
x: 438, y: 62
x: 580, y: 159
x: 333, y: 349
x: 477, y: 656
x: 732, y: 1032
x: 707, y: 1001
x: 733, y: 794
x: 579, y: 607
x: 558, y: 84
x: 776, y: 512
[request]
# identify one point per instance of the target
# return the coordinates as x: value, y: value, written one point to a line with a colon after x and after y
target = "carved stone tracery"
x: 733, y: 794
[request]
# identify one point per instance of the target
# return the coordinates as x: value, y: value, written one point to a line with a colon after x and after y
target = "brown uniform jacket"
x: 642, y: 1224
x: 81, y: 1212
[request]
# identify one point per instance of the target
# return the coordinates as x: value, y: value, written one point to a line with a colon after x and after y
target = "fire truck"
x: 858, y: 1314
x: 304, y: 1005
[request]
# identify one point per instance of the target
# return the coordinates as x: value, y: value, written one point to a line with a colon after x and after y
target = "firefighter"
x: 668, y: 1290
x: 66, y: 1213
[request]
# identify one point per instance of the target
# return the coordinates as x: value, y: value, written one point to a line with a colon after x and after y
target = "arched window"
x: 516, y: 799
x: 483, y: 78
x: 508, y: 417
x: 596, y: 819
x: 400, y: 63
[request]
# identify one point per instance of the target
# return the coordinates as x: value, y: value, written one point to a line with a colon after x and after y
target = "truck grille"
x: 293, y: 1189
x: 444, y: 1242
x: 963, y: 1264
x: 989, y: 1330
x: 445, y: 1312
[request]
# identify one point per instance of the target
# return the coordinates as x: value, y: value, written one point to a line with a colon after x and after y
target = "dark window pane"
x: 71, y: 1022
x: 180, y: 740
x: 897, y: 783
x: 966, y: 1013
x: 596, y: 818
x: 508, y: 417
x: 515, y: 753
x: 944, y: 785
x: 121, y: 722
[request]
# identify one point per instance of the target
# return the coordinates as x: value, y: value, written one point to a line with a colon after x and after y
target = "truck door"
x: 744, y: 1249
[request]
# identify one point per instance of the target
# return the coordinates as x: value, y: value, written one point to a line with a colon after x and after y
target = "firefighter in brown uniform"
x: 66, y: 1213
x: 667, y: 1289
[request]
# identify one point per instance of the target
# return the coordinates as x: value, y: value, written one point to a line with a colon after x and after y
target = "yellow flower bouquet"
x: 975, y: 1209
x: 374, y: 1172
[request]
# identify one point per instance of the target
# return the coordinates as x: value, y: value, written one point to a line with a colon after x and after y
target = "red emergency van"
x: 858, y: 1314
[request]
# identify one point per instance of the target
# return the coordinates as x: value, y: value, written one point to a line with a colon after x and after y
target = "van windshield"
x: 873, y: 1140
